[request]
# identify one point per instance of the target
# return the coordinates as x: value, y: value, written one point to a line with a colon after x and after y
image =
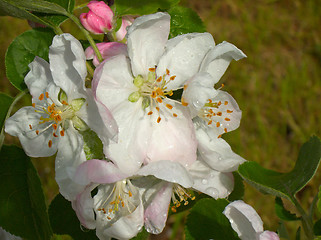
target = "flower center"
x: 121, y: 199
x: 216, y: 113
x: 54, y: 117
x: 183, y: 196
x: 153, y: 90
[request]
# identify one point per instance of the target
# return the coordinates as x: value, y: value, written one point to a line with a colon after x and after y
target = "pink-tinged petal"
x: 83, y: 206
x: 98, y: 171
x: 70, y: 155
x: 38, y: 78
x: 102, y: 11
x: 244, y: 220
x: 107, y: 50
x: 84, y: 22
x: 183, y: 57
x: 126, y: 21
x: 217, y: 153
x: 169, y: 171
x: 126, y: 227
x: 68, y: 65
x: 213, y: 183
x: 156, y: 212
x: 173, y: 138
x: 268, y: 235
x: 98, y: 118
x: 197, y: 91
x: 24, y: 124
x: 218, y: 59
x: 147, y: 37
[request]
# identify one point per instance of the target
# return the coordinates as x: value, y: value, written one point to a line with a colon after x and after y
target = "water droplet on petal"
x: 204, y: 181
x: 212, y: 192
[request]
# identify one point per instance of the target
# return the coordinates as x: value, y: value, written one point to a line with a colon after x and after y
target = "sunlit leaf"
x: 22, y: 204
x: 23, y: 50
x: 285, y: 184
x: 206, y: 221
x: 63, y: 220
x: 142, y: 7
x: 184, y: 20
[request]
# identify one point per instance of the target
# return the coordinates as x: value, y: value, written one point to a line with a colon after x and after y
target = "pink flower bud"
x: 99, y: 19
x: 107, y: 50
x: 126, y: 21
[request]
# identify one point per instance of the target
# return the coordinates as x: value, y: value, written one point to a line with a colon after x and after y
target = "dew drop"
x: 204, y: 181
x: 212, y: 192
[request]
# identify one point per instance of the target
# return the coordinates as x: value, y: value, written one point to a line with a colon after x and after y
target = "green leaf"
x: 319, y: 201
x: 5, y: 102
x: 282, y: 213
x: 37, y: 6
x: 285, y: 184
x: 206, y: 221
x: 93, y: 146
x: 143, y: 235
x: 63, y: 220
x: 298, y: 234
x: 23, y: 50
x: 142, y: 7
x: 282, y: 231
x: 238, y: 191
x: 317, y: 228
x: 184, y: 20
x: 22, y: 204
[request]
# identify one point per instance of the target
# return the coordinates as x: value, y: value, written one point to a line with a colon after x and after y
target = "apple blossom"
x: 152, y: 126
x: 99, y: 18
x: 121, y: 33
x: 61, y: 107
x: 246, y: 222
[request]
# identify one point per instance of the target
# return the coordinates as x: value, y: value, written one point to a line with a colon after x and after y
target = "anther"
x: 183, y: 102
x: 47, y: 94
x: 50, y: 143
x: 229, y: 111
x: 209, y: 122
x: 30, y: 126
x: 169, y: 106
x: 157, y: 108
x: 159, y: 119
x: 37, y: 132
x: 151, y: 69
x: 225, y: 130
x: 41, y: 97
x: 226, y: 102
x: 227, y: 119
x: 159, y: 79
x: 64, y: 102
x: 55, y: 135
x: 218, y: 124
x: 219, y: 136
x: 62, y: 133
x: 150, y: 113
x: 34, y: 105
x: 174, y: 115
x: 172, y: 78
x: 167, y: 71
x: 54, y: 126
x: 159, y: 100
x: 219, y: 114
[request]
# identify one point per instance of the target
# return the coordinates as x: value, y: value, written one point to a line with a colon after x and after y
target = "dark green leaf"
x: 93, y: 146
x: 5, y: 102
x: 37, y: 6
x: 319, y: 201
x: 282, y: 213
x: 282, y: 231
x: 298, y: 234
x: 22, y: 204
x: 143, y: 235
x: 142, y: 7
x: 23, y: 50
x: 206, y: 221
x: 184, y: 20
x: 238, y: 191
x: 285, y: 184
x: 317, y: 228
x: 63, y: 220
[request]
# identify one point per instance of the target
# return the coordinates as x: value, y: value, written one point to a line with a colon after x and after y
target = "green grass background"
x: 278, y: 87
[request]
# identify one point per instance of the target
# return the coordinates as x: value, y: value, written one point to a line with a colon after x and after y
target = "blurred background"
x: 278, y: 88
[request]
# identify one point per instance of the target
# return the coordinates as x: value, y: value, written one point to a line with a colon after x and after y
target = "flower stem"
x: 306, y: 220
x: 90, y: 69
x: 16, y: 99
x: 87, y: 35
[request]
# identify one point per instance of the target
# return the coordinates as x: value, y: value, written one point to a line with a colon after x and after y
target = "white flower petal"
x: 4, y: 235
x: 70, y: 155
x: 244, y: 220
x: 173, y: 138
x: 38, y: 78
x: 218, y: 59
x: 147, y: 37
x: 213, y: 183
x: 156, y: 212
x: 97, y: 171
x: 34, y: 145
x: 168, y: 171
x: 268, y: 235
x: 68, y: 65
x: 217, y: 153
x: 98, y: 118
x: 183, y: 57
x: 83, y: 206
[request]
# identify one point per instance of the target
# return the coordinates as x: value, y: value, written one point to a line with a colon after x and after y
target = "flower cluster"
x: 153, y: 106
